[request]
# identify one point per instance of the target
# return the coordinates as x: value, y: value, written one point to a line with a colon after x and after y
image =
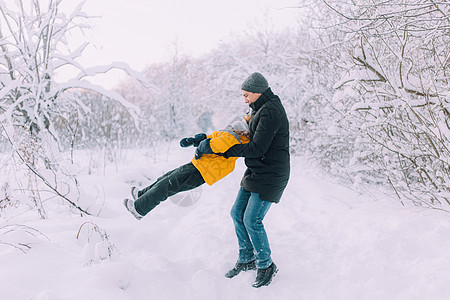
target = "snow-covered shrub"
x: 397, y: 71
x: 95, y: 242
x: 33, y: 105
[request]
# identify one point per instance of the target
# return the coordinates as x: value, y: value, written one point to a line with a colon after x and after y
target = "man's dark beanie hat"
x: 255, y: 83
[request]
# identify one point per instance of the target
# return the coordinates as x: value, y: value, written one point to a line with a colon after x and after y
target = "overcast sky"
x: 140, y: 32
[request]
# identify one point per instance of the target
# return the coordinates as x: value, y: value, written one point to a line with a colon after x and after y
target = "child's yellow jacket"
x: 215, y: 167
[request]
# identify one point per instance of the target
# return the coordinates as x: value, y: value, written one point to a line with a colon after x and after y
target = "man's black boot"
x: 264, y: 276
x: 239, y: 267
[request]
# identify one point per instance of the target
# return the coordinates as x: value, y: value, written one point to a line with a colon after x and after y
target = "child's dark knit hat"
x: 255, y: 83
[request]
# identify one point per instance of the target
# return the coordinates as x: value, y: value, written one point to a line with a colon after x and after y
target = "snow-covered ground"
x: 328, y: 241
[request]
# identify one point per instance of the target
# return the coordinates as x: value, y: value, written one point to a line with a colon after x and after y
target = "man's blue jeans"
x: 248, y: 213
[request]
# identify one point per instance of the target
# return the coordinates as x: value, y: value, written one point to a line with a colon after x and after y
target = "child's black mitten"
x: 198, y: 138
x: 192, y: 141
x: 186, y: 142
x: 203, y: 148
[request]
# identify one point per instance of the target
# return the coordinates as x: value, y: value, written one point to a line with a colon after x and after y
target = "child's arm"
x: 195, y: 141
x: 218, y: 144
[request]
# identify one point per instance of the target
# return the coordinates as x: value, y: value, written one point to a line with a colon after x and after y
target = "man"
x: 268, y: 166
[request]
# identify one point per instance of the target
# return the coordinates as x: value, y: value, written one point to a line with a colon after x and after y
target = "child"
x: 204, y: 167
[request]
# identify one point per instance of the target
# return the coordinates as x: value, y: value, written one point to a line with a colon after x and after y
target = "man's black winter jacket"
x: 267, y: 154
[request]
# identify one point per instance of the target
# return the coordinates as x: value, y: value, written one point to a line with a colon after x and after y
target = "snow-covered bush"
x: 34, y: 107
x: 396, y: 74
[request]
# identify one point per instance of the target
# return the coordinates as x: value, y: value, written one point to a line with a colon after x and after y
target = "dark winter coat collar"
x: 255, y: 106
